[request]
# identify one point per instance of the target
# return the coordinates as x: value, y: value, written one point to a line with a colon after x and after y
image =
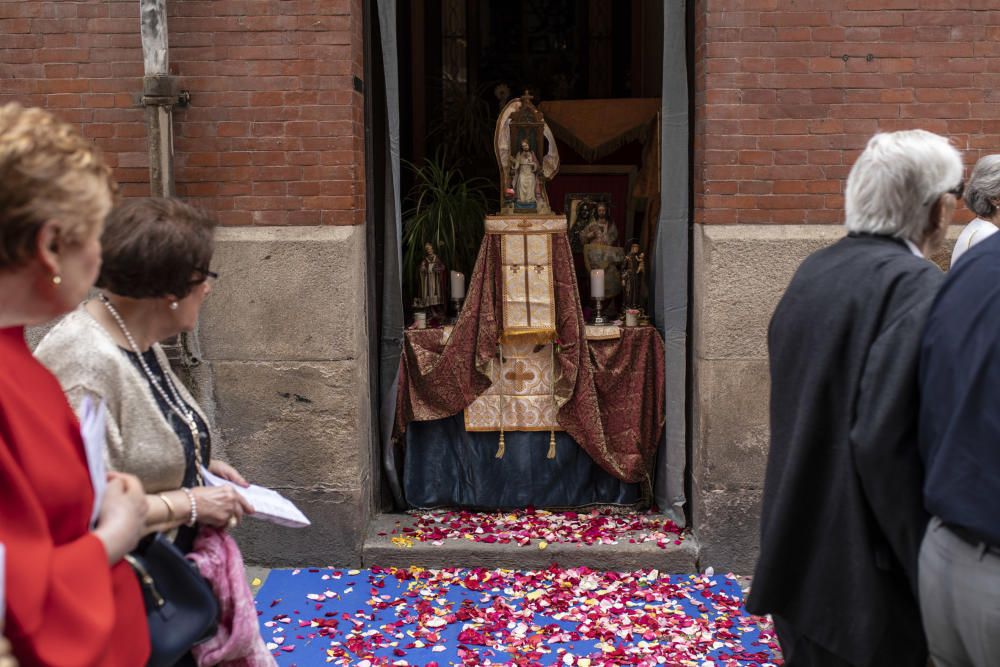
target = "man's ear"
x: 49, y: 245
x: 935, y: 218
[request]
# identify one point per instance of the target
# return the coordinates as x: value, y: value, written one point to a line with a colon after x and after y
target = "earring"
x: 173, y: 305
x: 57, y: 279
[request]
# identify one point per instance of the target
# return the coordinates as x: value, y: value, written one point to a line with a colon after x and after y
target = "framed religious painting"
x: 580, y: 208
x: 600, y: 215
x: 615, y: 182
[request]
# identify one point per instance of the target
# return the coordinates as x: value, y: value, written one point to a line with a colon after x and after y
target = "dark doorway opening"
x: 457, y: 61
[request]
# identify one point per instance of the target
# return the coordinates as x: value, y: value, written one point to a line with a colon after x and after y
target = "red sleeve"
x: 61, y: 606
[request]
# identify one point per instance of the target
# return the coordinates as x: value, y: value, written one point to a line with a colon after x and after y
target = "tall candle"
x: 597, y: 283
x: 457, y: 285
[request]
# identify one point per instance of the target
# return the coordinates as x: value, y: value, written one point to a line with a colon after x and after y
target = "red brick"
x: 756, y: 157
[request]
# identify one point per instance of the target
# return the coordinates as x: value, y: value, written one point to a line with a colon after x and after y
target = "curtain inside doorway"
x: 669, y: 274
x: 391, y: 316
x: 668, y: 270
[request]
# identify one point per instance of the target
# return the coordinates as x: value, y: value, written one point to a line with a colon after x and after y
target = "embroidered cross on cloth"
x: 520, y: 398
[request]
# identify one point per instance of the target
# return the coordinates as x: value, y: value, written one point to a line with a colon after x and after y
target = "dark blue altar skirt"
x: 447, y: 466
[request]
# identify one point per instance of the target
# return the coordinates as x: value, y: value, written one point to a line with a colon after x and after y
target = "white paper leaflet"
x: 268, y: 504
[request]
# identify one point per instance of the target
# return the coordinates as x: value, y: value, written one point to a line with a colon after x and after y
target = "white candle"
x: 457, y: 285
x: 420, y: 319
x: 597, y: 283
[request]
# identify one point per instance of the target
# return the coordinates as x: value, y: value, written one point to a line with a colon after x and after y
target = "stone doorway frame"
x: 670, y: 286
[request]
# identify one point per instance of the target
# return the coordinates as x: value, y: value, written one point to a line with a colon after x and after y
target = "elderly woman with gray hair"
x: 982, y: 196
x: 842, y: 513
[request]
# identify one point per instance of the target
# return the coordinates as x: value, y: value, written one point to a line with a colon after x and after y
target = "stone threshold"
x: 381, y: 551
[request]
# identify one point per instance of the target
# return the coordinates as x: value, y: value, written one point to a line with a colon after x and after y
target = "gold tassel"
x: 502, y: 449
x: 552, y: 367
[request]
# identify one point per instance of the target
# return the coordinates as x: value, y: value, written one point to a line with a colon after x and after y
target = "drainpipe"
x: 160, y: 96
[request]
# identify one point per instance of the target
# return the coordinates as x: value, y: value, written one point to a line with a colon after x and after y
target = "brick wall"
x: 274, y: 134
x: 780, y: 116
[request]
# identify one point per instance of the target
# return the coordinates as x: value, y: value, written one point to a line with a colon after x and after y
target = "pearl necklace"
x: 176, y: 403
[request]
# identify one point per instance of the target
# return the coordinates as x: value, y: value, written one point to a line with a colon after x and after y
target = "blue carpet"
x: 476, y: 617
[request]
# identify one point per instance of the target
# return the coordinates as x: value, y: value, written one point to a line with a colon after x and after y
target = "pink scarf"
x: 238, y: 642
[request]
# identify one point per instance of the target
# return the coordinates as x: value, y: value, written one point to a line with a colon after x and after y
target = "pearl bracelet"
x: 194, y: 506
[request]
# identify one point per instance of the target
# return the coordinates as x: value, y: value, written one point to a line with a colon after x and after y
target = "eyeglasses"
x: 958, y: 190
x: 206, y: 275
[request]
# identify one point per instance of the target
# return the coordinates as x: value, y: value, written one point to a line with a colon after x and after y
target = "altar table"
x: 447, y: 466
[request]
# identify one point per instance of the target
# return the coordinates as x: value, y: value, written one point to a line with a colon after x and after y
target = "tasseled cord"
x: 552, y: 433
x: 502, y: 449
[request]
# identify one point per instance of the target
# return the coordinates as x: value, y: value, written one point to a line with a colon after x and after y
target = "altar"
x: 520, y: 401
x: 447, y: 465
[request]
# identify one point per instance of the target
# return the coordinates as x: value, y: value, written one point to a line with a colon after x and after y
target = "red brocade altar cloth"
x: 610, y: 393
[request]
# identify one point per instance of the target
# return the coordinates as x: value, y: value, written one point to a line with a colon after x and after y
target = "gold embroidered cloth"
x: 540, y: 224
x: 522, y: 391
x: 528, y: 299
x: 603, y: 332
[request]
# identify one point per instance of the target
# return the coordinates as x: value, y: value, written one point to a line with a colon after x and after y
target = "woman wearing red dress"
x: 70, y: 599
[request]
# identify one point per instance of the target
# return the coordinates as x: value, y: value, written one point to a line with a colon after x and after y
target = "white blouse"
x: 974, y: 232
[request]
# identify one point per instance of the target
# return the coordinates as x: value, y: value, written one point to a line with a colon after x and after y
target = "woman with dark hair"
x: 70, y: 597
x: 154, y: 279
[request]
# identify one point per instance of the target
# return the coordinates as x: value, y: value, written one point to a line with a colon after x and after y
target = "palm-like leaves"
x: 447, y: 211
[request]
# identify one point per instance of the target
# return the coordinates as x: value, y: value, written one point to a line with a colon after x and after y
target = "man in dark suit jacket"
x: 842, y: 512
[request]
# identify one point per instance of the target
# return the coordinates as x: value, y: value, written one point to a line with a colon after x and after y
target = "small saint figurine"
x: 600, y: 228
x: 633, y: 267
x: 431, y: 292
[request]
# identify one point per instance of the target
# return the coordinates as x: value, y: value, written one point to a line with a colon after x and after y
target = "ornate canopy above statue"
x: 521, y: 136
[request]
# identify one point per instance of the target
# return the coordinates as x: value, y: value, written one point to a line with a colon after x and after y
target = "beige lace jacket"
x: 140, y: 441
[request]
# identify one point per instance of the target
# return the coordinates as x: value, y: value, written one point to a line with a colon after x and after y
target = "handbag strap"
x: 147, y: 579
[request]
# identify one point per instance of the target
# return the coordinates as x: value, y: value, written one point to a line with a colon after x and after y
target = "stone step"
x: 380, y: 550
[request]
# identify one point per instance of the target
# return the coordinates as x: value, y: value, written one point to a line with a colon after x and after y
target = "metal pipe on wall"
x: 159, y: 96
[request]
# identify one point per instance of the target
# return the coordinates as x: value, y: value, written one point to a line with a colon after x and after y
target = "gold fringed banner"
x: 528, y: 304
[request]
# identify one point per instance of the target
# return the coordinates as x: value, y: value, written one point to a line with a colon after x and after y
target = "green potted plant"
x: 446, y: 210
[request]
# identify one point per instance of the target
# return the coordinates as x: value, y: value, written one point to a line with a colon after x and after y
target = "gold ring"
x: 232, y: 522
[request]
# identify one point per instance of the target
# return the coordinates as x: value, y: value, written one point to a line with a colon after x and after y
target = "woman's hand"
x: 6, y: 658
x: 227, y: 472
x: 122, y: 516
x: 218, y: 504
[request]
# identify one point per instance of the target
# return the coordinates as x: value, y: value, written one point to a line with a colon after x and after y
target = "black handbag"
x: 180, y: 607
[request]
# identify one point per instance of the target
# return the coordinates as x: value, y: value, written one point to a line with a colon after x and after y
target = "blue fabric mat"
x: 294, y: 604
x: 447, y: 466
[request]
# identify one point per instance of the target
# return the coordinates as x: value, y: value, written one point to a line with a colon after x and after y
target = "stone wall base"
x: 285, y: 347
x: 739, y: 274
